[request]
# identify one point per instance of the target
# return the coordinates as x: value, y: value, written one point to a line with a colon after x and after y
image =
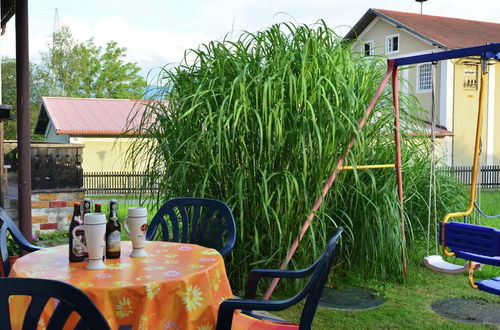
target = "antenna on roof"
x: 57, y: 24
x: 421, y: 2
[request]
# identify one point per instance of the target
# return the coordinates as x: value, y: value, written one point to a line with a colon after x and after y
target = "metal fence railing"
x: 488, y: 178
x: 116, y: 183
x: 132, y: 183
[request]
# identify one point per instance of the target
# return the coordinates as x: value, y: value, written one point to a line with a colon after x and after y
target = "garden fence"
x: 116, y: 183
x: 489, y: 177
x: 132, y: 183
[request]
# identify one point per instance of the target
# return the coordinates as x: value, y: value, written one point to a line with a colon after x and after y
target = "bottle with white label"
x: 113, y: 232
x: 76, y: 252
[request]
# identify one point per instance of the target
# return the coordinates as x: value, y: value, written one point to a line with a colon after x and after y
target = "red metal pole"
x: 330, y: 181
x: 399, y: 173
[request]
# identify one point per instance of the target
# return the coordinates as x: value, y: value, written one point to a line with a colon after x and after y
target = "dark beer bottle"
x: 113, y: 232
x: 97, y: 208
x: 76, y: 252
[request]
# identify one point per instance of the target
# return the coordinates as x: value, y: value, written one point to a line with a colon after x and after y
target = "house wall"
x: 104, y: 154
x: 465, y: 107
x: 496, y: 114
x: 377, y: 32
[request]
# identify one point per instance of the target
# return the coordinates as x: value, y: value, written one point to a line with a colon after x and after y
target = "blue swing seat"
x: 491, y: 285
x: 475, y: 243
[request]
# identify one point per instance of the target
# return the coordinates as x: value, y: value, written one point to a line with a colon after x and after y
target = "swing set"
x: 470, y: 242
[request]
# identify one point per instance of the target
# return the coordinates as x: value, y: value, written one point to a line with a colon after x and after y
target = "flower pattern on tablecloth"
x: 171, y: 325
x: 210, y: 252
x: 122, y: 284
x: 171, y: 262
x: 153, y: 268
x: 143, y: 278
x: 215, y: 280
x: 144, y: 323
x: 118, y: 266
x: 172, y: 273
x: 152, y: 289
x: 85, y: 284
x: 205, y: 327
x: 123, y: 308
x: 41, y: 324
x: 129, y: 291
x: 196, y: 266
x: 192, y: 298
x: 170, y: 255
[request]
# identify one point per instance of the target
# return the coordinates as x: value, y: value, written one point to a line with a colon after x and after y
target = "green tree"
x: 38, y: 88
x: 82, y: 69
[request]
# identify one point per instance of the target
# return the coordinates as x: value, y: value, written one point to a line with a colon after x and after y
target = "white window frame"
x: 369, y: 42
x: 419, y: 86
x: 389, y: 41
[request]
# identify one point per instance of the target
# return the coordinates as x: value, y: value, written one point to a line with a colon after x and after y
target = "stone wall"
x: 52, y: 210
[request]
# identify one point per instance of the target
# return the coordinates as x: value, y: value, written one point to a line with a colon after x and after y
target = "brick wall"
x: 53, y: 210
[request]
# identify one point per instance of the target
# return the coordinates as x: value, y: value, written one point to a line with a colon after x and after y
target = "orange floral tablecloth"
x: 178, y: 286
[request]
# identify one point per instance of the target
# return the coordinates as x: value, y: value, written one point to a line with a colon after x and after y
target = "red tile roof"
x: 87, y: 116
x: 444, y: 32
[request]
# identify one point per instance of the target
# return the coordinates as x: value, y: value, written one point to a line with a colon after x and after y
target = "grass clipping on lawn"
x: 260, y: 122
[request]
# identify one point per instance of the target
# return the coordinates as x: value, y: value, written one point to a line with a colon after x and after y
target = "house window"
x: 424, y: 78
x: 392, y: 44
x: 368, y: 48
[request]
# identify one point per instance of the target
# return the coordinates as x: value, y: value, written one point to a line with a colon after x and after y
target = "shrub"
x: 260, y: 122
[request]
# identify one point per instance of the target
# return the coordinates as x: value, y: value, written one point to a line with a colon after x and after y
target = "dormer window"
x: 392, y: 44
x: 368, y: 48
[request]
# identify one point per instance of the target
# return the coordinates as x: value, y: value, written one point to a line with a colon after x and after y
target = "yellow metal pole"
x: 482, y: 101
x: 364, y: 167
x: 471, y: 275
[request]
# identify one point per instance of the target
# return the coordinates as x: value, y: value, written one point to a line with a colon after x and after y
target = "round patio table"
x: 177, y: 286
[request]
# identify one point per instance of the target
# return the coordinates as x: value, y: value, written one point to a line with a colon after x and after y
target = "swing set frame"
x: 489, y: 51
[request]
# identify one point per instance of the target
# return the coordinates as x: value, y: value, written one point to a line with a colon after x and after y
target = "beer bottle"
x: 113, y: 232
x: 97, y: 208
x: 86, y: 206
x: 76, y: 252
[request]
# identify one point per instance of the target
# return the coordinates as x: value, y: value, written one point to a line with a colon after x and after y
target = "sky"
x: 157, y: 32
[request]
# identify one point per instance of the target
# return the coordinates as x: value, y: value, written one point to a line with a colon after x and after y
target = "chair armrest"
x: 256, y: 274
x: 227, y: 308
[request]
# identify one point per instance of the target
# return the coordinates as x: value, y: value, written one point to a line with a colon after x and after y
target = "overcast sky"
x: 156, y: 32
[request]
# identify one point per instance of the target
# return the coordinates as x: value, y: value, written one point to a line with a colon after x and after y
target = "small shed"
x: 99, y: 124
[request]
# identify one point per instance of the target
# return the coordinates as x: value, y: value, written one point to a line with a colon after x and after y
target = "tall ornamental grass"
x: 261, y: 121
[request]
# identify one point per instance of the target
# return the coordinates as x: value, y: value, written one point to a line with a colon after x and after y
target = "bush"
x: 260, y: 123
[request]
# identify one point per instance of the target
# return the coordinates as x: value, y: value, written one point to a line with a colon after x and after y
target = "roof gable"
x: 88, y: 116
x: 443, y: 32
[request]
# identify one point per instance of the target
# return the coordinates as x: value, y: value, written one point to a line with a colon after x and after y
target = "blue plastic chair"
x: 70, y: 299
x: 314, y: 288
x: 203, y: 221
x: 7, y: 224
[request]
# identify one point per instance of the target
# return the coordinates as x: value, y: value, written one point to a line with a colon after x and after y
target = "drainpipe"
x: 23, y: 118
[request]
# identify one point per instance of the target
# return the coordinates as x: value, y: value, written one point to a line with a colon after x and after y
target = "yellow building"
x: 98, y: 124
x: 398, y: 34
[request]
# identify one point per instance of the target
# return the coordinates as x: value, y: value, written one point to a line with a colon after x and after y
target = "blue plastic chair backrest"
x: 7, y: 226
x: 70, y: 299
x: 472, y: 238
x: 316, y: 284
x: 203, y: 221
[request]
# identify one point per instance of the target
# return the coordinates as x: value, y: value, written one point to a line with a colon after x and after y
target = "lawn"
x: 408, y: 304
